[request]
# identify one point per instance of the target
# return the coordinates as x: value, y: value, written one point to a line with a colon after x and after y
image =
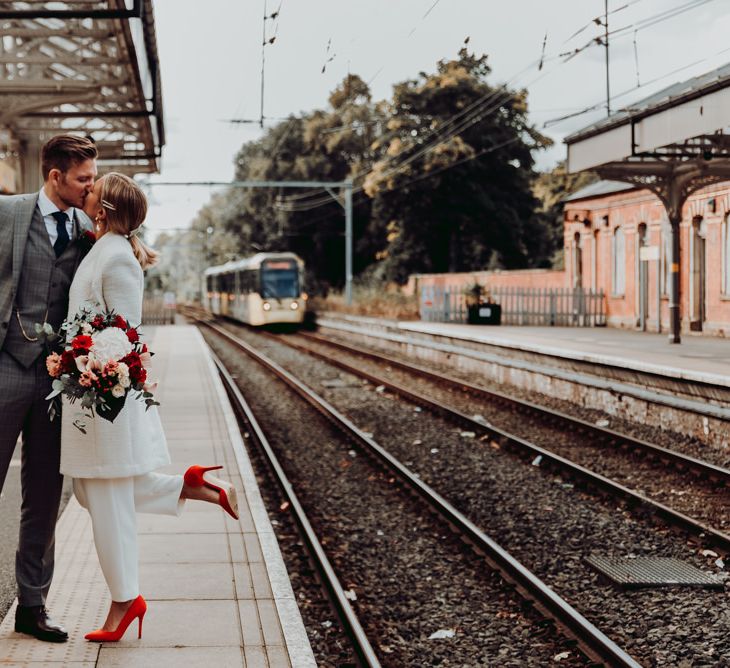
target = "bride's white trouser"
x: 113, y: 504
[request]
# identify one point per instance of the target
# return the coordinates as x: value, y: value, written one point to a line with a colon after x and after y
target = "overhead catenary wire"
x: 593, y: 107
x: 464, y: 124
x: 502, y: 93
x: 638, y: 25
x: 471, y: 112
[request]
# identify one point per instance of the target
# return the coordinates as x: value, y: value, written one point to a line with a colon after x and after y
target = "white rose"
x: 86, y: 328
x: 118, y: 391
x: 123, y: 375
x: 110, y: 344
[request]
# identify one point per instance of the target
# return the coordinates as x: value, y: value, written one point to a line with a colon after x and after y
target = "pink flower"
x: 87, y: 378
x: 53, y: 364
x: 111, y: 368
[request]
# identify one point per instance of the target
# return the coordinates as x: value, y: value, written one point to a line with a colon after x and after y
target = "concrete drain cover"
x: 631, y: 572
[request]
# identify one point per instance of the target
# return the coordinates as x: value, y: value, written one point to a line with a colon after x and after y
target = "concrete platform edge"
x: 295, y: 635
x: 699, y: 407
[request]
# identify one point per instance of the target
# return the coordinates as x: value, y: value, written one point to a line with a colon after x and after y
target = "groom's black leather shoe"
x: 34, y: 621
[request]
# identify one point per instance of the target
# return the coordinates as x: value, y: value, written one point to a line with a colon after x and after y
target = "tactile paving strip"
x: 77, y: 600
x: 630, y: 572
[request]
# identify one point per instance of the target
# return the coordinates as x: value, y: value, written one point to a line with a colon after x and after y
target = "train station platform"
x: 217, y: 589
x: 697, y: 358
x: 636, y: 375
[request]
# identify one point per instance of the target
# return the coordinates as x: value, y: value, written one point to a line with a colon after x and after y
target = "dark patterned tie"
x: 63, y: 239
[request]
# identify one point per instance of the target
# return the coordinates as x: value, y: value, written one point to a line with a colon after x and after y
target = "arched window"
x: 726, y: 255
x: 618, y: 265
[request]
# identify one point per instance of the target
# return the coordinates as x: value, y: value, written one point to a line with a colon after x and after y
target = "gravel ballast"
x: 542, y: 519
x: 422, y: 596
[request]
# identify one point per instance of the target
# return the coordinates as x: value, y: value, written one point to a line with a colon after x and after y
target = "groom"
x: 43, y: 245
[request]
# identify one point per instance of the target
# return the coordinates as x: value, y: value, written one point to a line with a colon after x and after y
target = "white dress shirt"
x: 47, y: 208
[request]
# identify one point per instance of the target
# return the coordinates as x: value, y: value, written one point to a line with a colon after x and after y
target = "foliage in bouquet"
x: 103, y: 362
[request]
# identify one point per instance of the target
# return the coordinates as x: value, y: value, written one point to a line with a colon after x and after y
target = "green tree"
x: 452, y: 188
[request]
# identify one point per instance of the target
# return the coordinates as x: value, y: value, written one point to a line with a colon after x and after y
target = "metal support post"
x: 659, y: 294
x: 348, y: 242
x: 675, y: 217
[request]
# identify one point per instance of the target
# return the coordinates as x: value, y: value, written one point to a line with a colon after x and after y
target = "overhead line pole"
x: 608, y: 83
x: 263, y: 57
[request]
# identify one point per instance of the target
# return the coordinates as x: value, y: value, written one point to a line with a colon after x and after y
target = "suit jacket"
x: 110, y: 278
x: 16, y: 214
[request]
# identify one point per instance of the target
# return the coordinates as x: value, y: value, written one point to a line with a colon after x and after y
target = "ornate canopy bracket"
x: 672, y: 182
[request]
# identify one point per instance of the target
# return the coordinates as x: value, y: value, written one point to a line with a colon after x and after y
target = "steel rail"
x: 593, y: 642
x: 681, y: 461
x: 361, y: 645
x: 708, y: 534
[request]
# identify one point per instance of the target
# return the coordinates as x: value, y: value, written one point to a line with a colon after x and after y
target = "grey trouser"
x: 23, y: 408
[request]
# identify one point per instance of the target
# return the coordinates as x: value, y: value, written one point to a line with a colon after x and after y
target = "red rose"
x: 144, y: 348
x: 81, y: 344
x: 120, y: 322
x: 131, y: 359
x: 68, y: 361
x: 98, y: 322
x: 137, y: 374
x: 132, y: 335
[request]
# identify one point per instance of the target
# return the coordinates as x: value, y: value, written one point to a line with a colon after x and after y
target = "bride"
x: 113, y: 464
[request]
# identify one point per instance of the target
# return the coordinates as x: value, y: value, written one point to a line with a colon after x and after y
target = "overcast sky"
x: 210, y: 59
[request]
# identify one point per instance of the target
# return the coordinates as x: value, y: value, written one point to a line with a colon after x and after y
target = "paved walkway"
x: 217, y: 590
x: 702, y: 358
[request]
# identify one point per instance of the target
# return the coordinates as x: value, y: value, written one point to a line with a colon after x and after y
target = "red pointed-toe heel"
x: 227, y: 495
x: 136, y: 611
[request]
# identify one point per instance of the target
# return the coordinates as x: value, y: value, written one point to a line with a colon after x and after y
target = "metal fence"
x: 155, y: 311
x: 567, y: 307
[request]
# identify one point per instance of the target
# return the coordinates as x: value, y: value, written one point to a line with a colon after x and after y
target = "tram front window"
x: 279, y: 284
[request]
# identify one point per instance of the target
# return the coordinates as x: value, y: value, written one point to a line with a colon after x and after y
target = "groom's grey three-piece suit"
x: 34, y: 286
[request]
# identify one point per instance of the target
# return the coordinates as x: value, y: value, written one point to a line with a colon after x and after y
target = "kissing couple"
x: 70, y: 245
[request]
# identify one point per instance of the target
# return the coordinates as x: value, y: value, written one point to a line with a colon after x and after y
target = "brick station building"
x: 610, y: 226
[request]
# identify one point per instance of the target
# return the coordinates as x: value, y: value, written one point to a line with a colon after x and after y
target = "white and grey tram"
x: 260, y: 290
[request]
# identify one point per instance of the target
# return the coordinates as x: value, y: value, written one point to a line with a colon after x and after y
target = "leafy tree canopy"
x: 443, y: 176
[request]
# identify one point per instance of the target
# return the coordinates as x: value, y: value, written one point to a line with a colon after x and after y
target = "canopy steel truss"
x: 80, y: 67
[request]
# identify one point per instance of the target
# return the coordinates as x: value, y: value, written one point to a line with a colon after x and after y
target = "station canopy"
x: 679, y: 134
x: 82, y: 67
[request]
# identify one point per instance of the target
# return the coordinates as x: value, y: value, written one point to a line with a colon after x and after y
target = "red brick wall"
x: 525, y: 278
x: 600, y: 216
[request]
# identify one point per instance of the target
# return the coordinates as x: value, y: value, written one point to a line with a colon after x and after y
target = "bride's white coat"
x: 111, y: 278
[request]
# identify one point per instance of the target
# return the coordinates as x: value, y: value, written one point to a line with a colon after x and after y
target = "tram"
x: 260, y: 290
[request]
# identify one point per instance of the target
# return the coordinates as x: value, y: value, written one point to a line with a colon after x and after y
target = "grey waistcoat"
x: 43, y: 286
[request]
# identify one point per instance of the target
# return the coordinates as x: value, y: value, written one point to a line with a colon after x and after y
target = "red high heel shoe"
x: 136, y: 611
x: 227, y: 495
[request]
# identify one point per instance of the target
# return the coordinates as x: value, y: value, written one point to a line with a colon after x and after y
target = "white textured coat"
x: 111, y: 278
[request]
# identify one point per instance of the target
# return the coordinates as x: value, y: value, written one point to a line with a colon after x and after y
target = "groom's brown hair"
x: 64, y: 151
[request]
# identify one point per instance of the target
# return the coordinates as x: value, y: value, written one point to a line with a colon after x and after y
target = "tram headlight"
x: 266, y: 306
x: 294, y: 306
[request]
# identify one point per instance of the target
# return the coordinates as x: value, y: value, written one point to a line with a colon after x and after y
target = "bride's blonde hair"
x: 126, y: 207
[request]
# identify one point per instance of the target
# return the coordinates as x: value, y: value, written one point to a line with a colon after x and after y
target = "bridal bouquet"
x: 104, y: 361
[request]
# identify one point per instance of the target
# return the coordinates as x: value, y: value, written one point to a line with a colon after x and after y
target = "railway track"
x: 332, y: 585
x: 716, y: 479
x: 593, y: 643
